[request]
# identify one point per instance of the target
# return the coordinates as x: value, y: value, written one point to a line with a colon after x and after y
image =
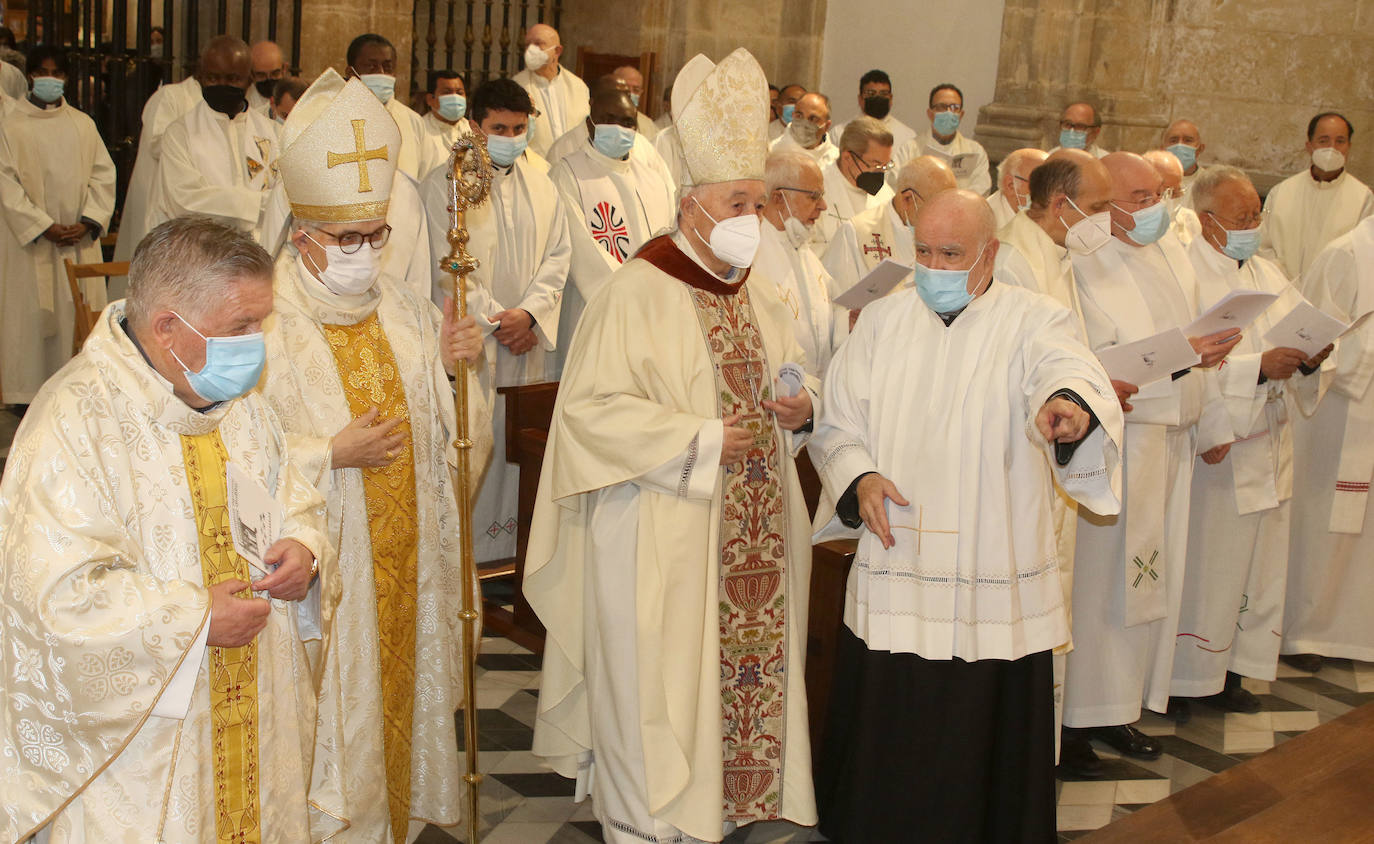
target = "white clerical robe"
x: 1303, y: 215
x: 53, y: 169
x: 520, y: 238
x: 216, y: 166
x: 1232, y: 615
x: 807, y: 290
x: 1187, y: 183
x: 1329, y: 576
x: 576, y: 138
x: 420, y: 151
x: 901, y: 133
x: 445, y: 133
x: 645, y: 125
x: 562, y: 102
x: 166, y: 106
x: 669, y: 147
x: 108, y: 733
x: 974, y: 573
x: 823, y: 153
x: 862, y: 243
x: 624, y: 563
x: 1185, y: 225
x: 1129, y: 568
x: 257, y: 102
x: 13, y: 83
x: 1002, y: 209
x: 305, y: 389
x: 1029, y: 258
x: 613, y: 207
x: 843, y: 201
x: 965, y: 156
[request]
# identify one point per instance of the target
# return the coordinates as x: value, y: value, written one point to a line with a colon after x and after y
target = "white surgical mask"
x: 798, y: 233
x: 734, y: 240
x: 1090, y: 233
x: 535, y: 58
x: 347, y: 275
x: 1328, y: 159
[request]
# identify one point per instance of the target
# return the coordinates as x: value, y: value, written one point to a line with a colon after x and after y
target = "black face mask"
x: 869, y: 182
x: 877, y: 107
x: 265, y: 87
x: 225, y: 99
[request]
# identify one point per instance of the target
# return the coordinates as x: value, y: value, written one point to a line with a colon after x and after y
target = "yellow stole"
x: 367, y: 369
x: 233, y: 671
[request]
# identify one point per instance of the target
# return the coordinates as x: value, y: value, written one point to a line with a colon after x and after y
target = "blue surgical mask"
x: 787, y: 112
x: 945, y: 291
x: 945, y: 123
x: 1241, y: 244
x: 1186, y: 155
x: 505, y: 150
x: 232, y: 367
x: 634, y: 98
x: 613, y: 141
x: 1150, y: 223
x: 1073, y: 139
x: 48, y: 88
x: 381, y: 84
x: 452, y: 107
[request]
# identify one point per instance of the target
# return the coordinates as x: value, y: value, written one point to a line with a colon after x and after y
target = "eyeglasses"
x: 1175, y: 193
x: 940, y: 107
x: 1252, y: 221
x: 870, y: 93
x: 813, y: 195
x: 915, y: 194
x: 1143, y: 202
x: 1077, y: 127
x: 350, y: 242
x: 880, y: 168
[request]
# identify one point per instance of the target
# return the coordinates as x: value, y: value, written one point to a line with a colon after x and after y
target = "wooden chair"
x: 591, y: 65
x: 84, y: 314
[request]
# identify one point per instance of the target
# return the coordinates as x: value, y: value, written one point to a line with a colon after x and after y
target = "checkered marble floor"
x: 524, y: 803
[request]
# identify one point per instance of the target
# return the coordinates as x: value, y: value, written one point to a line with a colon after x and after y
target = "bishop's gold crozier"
x: 469, y: 177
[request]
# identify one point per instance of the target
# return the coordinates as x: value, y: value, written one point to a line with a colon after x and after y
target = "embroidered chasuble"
x: 367, y: 370
x: 753, y: 600
x: 233, y: 671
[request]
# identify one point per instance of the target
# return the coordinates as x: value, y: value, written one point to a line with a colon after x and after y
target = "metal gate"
x: 482, y: 39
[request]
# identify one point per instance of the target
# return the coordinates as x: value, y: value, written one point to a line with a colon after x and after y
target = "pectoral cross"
x: 360, y: 156
x: 921, y: 529
x: 878, y: 248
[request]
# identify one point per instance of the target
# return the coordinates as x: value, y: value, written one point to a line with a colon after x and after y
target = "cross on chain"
x: 360, y: 156
x: 878, y: 248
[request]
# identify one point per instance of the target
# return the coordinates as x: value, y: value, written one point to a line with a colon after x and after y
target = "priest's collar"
x: 1325, y: 184
x: 671, y: 254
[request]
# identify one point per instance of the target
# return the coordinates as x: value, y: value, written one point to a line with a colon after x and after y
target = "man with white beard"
x: 806, y: 132
x: 1310, y: 209
x: 1128, y: 568
x: 1013, y: 183
x: 1233, y: 602
x: 1185, y: 224
x: 558, y: 94
x: 793, y: 183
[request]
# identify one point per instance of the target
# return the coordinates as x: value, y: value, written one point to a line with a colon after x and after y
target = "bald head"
x: 1013, y: 174
x: 267, y: 57
x: 955, y: 230
x: 813, y: 104
x: 544, y: 36
x: 225, y: 60
x: 1070, y: 185
x: 607, y: 85
x: 927, y: 176
x: 610, y: 103
x: 1168, y: 168
x: 633, y: 79
x: 1136, y: 185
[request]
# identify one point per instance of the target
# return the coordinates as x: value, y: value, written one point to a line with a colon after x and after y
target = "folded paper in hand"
x: 1309, y: 329
x: 875, y: 285
x: 1152, y: 359
x: 1236, y: 309
x: 255, y: 517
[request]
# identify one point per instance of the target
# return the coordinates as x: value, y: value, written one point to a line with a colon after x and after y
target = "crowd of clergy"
x: 230, y: 562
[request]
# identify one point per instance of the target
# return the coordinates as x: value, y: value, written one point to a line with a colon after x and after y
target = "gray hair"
x: 860, y: 132
x: 1011, y: 162
x: 785, y: 169
x: 186, y: 264
x: 1204, y: 188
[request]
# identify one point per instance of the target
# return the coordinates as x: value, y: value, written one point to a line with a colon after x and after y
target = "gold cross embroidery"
x: 920, y: 528
x: 360, y: 156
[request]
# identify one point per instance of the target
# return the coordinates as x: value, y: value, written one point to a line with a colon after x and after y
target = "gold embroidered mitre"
x: 724, y: 124
x: 338, y: 167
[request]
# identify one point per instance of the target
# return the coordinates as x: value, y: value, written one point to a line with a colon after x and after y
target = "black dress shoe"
x: 1180, y: 710
x: 1234, y: 698
x: 1076, y: 758
x: 1311, y: 663
x: 1128, y: 741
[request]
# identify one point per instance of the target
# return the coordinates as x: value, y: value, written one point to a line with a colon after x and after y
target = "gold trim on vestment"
x: 355, y: 212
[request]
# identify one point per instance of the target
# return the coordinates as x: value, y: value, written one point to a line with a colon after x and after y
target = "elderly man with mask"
x: 856, y: 181
x: 617, y: 193
x: 147, y: 642
x: 1183, y: 139
x: 1183, y: 219
x: 359, y: 372
x: 634, y: 82
x: 268, y: 67
x: 669, y: 556
x: 875, y: 101
x: 1233, y: 601
x: 1013, y: 184
x: 807, y: 131
x: 965, y: 156
x: 220, y: 159
x: 884, y: 231
x: 946, y: 416
x: 1079, y: 127
x: 558, y: 94
x: 792, y: 182
x: 1129, y: 567
x: 1308, y: 210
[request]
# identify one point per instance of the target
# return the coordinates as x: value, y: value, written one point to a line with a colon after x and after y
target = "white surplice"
x: 53, y: 169
x: 420, y: 151
x: 823, y: 153
x: 1002, y: 210
x: 13, y: 83
x: 624, y: 566
x: 445, y: 133
x: 520, y: 238
x: 1232, y: 615
x: 974, y: 573
x: 216, y: 166
x: 965, y: 156
x: 645, y: 126
x: 304, y: 387
x: 862, y: 243
x: 1303, y: 215
x: 1129, y: 568
x: 1031, y: 259
x: 562, y: 102
x: 1329, y: 576
x: 576, y: 138
x: 669, y: 147
x: 100, y: 549
x: 613, y: 207
x: 806, y: 289
x: 843, y: 201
